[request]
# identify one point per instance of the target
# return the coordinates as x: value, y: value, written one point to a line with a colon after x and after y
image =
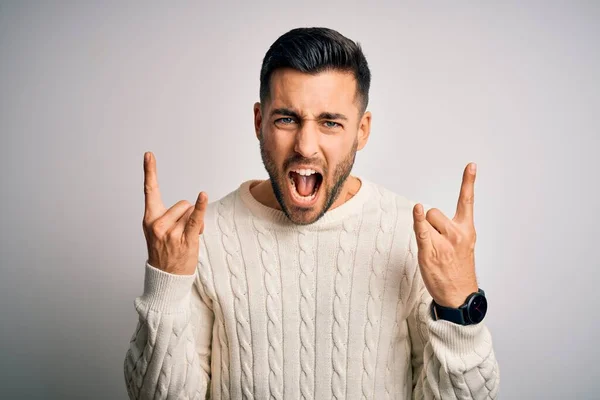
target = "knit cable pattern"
x: 169, y: 337
x: 307, y: 325
x: 342, y: 282
x: 205, y: 272
x: 136, y: 361
x: 164, y: 378
x: 471, y: 376
x: 389, y: 377
x: 403, y: 294
x: 238, y: 282
x: 181, y: 346
x: 378, y: 315
x: 274, y: 309
x: 376, y: 284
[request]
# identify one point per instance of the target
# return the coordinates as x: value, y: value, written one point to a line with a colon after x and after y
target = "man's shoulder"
x: 220, y: 208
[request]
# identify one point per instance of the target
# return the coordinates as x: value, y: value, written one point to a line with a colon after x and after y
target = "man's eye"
x: 331, y: 124
x: 285, y: 120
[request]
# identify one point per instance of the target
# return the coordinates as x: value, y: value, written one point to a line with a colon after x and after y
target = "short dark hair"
x: 313, y: 50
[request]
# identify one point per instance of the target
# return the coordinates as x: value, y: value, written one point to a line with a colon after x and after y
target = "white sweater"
x: 335, y: 309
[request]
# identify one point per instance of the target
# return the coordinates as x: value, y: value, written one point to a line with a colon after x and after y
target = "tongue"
x: 305, y: 185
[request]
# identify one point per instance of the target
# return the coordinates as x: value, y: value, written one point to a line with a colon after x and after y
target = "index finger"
x: 153, y: 202
x: 423, y: 229
x: 464, y: 208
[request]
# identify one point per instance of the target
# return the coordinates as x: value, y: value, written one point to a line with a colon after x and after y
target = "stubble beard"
x: 278, y: 179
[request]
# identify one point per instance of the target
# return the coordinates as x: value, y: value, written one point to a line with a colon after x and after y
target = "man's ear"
x: 364, y: 130
x: 257, y: 119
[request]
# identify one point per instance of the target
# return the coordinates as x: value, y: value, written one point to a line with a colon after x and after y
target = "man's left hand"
x: 446, y: 248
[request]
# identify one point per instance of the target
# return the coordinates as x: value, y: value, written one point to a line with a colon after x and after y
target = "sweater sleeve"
x: 449, y: 361
x: 169, y: 352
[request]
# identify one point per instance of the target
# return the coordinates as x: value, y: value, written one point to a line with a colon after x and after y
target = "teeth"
x: 305, y: 172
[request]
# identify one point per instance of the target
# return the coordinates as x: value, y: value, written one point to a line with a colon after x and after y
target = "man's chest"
x: 359, y: 270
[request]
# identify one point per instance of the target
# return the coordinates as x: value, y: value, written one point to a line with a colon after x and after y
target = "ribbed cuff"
x: 164, y: 292
x: 458, y: 339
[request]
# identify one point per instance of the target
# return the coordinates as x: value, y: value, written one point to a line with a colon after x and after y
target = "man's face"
x: 309, y: 132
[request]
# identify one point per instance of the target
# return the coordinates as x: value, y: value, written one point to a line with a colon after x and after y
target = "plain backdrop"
x: 87, y: 87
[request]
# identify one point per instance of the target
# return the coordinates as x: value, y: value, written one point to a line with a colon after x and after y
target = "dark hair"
x: 313, y: 50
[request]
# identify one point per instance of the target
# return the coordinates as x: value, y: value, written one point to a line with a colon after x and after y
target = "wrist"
x: 455, y: 299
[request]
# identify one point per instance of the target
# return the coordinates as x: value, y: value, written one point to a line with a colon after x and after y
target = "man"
x: 315, y: 283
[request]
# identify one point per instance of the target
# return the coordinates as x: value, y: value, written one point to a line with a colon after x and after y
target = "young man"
x: 315, y: 283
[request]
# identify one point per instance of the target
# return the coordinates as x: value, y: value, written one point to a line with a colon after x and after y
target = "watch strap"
x: 455, y: 315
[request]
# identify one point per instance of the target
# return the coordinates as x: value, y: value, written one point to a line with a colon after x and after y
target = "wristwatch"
x: 472, y: 311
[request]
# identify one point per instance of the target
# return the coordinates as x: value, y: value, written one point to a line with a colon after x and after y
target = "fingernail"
x: 146, y: 156
x: 473, y: 167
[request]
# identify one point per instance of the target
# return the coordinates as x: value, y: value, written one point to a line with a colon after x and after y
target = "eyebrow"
x: 291, y: 113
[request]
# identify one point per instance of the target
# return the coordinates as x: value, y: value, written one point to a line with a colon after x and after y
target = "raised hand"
x: 447, y: 247
x: 172, y: 235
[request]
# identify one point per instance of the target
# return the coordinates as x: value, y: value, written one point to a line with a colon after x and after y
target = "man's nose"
x: 307, y: 139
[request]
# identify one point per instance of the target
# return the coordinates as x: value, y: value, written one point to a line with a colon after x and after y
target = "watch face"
x: 477, y: 309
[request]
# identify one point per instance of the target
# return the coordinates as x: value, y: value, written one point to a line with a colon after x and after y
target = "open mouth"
x: 304, y: 186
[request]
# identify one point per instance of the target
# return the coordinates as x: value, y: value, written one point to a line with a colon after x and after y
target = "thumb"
x: 195, y: 225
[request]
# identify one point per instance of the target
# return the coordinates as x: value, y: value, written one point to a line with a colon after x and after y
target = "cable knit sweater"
x: 332, y: 310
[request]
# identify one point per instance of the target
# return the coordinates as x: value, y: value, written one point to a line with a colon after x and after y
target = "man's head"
x: 311, y: 119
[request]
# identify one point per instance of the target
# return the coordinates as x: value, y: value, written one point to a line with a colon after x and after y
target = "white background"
x: 86, y: 88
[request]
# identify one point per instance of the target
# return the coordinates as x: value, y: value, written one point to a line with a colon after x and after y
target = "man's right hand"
x: 172, y: 235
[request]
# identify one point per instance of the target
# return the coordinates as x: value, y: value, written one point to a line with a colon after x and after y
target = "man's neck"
x: 262, y: 191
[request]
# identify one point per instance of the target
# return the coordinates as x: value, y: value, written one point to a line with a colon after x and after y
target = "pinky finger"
x: 195, y: 223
